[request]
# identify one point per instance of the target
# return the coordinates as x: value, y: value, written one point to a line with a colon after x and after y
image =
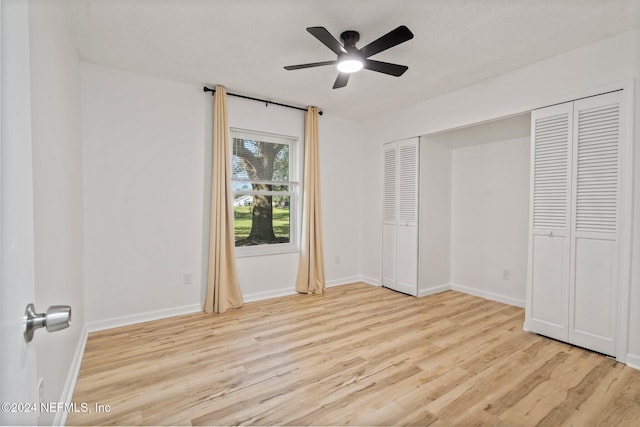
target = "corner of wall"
x: 488, y: 295
x: 343, y: 281
x: 434, y: 290
x: 633, y: 361
x: 370, y: 281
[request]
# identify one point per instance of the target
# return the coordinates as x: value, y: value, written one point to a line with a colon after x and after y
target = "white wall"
x: 589, y: 69
x: 490, y: 211
x: 474, y: 186
x: 147, y: 158
x: 435, y: 215
x: 57, y: 177
x: 144, y: 159
x: 341, y: 169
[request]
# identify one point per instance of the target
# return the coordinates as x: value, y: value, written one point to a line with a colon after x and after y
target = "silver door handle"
x: 56, y: 318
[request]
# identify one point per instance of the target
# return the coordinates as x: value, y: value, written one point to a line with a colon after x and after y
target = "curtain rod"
x: 266, y: 101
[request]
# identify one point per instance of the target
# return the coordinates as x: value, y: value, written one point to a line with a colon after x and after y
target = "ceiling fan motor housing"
x: 349, y: 39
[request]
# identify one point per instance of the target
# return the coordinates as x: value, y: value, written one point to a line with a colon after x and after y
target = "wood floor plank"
x: 358, y: 355
x: 577, y: 395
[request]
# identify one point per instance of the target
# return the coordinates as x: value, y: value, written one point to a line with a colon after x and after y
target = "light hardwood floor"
x: 358, y: 355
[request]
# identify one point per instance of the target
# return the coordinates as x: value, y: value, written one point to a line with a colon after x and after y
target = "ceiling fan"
x: 351, y: 59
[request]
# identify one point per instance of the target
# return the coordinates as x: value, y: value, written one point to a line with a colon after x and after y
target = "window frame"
x: 294, y: 192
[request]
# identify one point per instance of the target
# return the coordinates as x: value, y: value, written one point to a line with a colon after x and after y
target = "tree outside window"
x: 264, y: 191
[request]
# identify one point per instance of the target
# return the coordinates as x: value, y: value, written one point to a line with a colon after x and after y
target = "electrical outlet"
x: 506, y: 274
x: 337, y: 260
x: 187, y: 278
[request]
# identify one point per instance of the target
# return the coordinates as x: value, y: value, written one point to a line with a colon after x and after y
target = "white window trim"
x: 295, y: 192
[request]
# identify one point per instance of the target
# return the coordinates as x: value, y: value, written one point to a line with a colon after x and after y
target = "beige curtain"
x: 223, y: 290
x: 311, y: 265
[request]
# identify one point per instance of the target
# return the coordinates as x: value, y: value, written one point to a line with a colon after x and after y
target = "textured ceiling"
x: 244, y: 44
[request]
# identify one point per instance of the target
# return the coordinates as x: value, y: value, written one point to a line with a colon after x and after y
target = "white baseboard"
x: 115, y: 322
x: 434, y: 290
x: 344, y: 281
x: 370, y: 280
x: 72, y: 376
x: 258, y: 296
x: 633, y: 361
x: 488, y: 295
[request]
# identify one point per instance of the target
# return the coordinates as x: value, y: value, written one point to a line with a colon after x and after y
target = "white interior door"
x: 576, y: 195
x: 17, y: 289
x: 595, y: 222
x: 549, y: 240
x: 400, y: 217
x: 408, y: 216
x: 390, y: 217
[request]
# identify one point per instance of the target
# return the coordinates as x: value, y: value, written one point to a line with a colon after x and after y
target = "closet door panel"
x: 389, y: 255
x: 595, y: 222
x: 549, y: 240
x: 390, y: 217
x: 400, y: 216
x: 408, y: 216
x: 407, y: 261
x: 408, y: 183
x: 594, y: 295
x: 548, y: 311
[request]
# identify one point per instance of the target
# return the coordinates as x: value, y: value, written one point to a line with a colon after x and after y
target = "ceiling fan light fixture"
x: 350, y: 64
x: 350, y: 59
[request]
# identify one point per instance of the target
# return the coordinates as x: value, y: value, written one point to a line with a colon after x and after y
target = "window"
x: 265, y: 190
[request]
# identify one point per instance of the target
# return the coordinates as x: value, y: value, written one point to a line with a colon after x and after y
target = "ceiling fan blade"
x: 313, y: 64
x: 389, y: 40
x: 341, y: 81
x: 385, y: 67
x: 327, y: 39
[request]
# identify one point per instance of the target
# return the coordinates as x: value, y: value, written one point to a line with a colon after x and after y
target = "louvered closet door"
x: 595, y: 223
x: 400, y: 217
x: 549, y: 241
x: 408, y: 216
x: 390, y: 217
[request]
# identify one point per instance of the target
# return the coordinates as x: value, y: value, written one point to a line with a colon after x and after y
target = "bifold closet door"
x: 574, y: 245
x: 408, y: 216
x: 400, y: 216
x: 547, y: 305
x: 595, y: 240
x: 390, y: 217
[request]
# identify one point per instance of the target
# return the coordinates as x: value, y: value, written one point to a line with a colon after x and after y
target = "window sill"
x: 252, y: 251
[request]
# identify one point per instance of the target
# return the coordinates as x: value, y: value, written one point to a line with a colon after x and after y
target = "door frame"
x: 626, y: 220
